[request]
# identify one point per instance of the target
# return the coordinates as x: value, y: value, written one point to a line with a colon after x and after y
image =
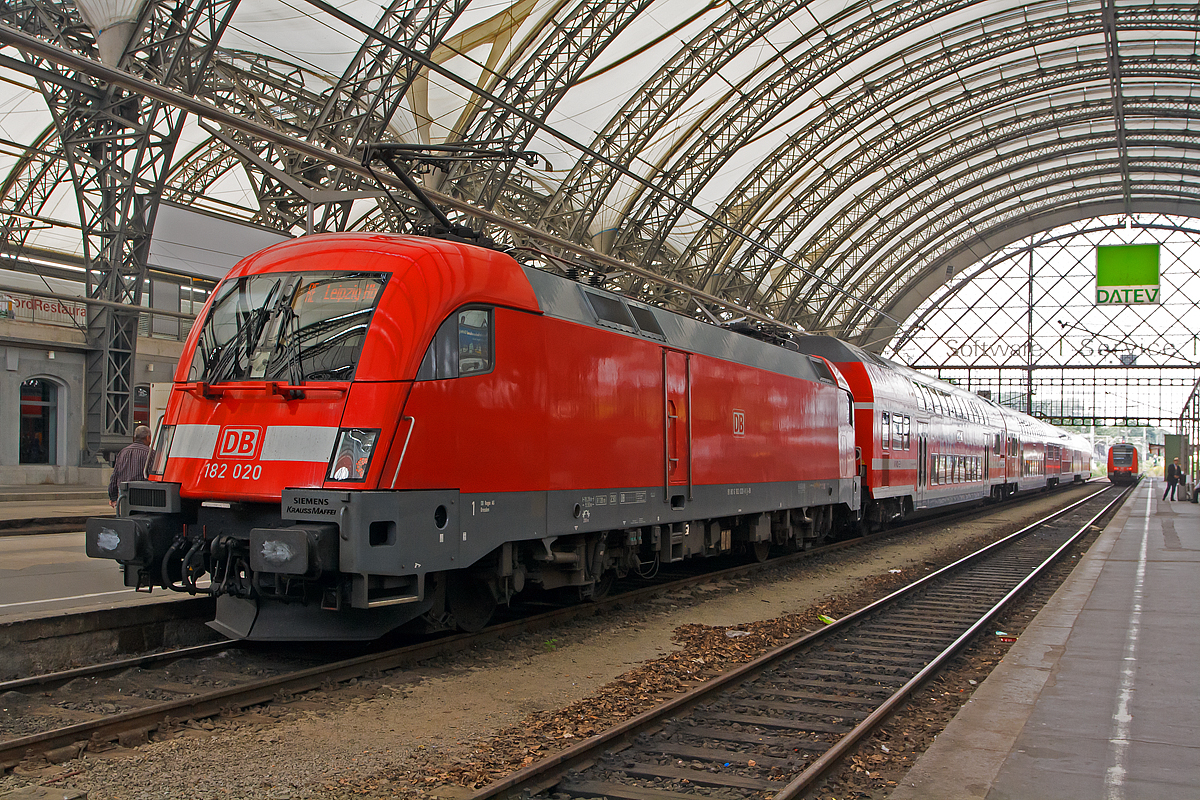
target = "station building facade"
x: 43, y: 390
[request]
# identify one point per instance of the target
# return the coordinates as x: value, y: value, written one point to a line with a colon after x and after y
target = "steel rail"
x: 725, y: 573
x: 830, y: 757
x: 544, y: 774
x: 49, y: 679
x: 262, y: 691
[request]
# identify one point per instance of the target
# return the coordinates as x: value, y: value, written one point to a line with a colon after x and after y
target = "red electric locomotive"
x: 1123, y: 463
x: 924, y: 443
x: 370, y: 430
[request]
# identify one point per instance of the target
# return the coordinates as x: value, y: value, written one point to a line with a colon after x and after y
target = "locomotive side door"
x: 677, y: 426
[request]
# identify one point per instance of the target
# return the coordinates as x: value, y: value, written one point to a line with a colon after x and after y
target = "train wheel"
x: 761, y: 551
x: 604, y: 585
x: 471, y: 602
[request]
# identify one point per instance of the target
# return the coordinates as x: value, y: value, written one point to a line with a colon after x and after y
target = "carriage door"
x: 922, y: 460
x: 677, y: 427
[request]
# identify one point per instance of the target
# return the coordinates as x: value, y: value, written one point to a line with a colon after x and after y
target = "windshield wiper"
x: 249, y: 331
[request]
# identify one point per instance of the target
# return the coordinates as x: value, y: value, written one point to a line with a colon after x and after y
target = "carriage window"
x: 885, y: 429
x: 461, y: 346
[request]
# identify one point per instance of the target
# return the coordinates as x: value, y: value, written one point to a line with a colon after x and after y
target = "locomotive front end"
x: 285, y: 407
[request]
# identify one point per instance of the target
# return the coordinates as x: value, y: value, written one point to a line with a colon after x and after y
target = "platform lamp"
x: 112, y: 22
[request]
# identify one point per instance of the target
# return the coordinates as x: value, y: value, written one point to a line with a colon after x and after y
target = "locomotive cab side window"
x: 462, y: 346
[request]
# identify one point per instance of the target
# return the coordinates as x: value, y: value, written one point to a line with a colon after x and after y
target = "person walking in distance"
x: 1175, y: 477
x: 130, y: 464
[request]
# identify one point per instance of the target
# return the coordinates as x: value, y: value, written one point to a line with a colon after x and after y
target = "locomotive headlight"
x: 352, y: 454
x: 162, y: 448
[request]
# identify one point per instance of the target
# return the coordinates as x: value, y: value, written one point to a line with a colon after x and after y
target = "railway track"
x: 776, y: 725
x: 108, y: 702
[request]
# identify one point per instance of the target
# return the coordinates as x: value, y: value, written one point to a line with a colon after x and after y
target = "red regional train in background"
x: 367, y: 431
x: 1123, y: 463
x: 925, y: 443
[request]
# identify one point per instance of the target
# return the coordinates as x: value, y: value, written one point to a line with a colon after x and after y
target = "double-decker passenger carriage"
x: 925, y: 443
x: 1123, y: 463
x: 368, y: 430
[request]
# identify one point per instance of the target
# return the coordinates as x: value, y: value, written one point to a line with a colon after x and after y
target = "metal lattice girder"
x: 356, y: 111
x: 118, y: 147
x: 657, y: 228
x: 29, y: 187
x: 360, y: 107
x: 937, y: 172
x: 868, y: 221
x: 704, y: 149
x: 1000, y: 217
x: 276, y: 93
x: 1008, y: 88
x: 971, y: 165
x: 778, y: 174
x: 567, y: 45
x: 894, y: 244
x: 582, y: 194
x: 850, y: 227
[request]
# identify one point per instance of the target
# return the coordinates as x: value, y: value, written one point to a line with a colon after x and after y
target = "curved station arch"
x: 832, y: 167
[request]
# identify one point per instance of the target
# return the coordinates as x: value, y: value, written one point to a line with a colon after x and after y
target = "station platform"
x: 28, y: 509
x: 1100, y: 696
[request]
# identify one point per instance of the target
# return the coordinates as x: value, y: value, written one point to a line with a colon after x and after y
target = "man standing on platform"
x: 1175, y: 477
x: 131, y: 463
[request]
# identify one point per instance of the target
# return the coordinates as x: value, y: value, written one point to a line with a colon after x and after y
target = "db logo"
x: 739, y: 422
x: 239, y: 442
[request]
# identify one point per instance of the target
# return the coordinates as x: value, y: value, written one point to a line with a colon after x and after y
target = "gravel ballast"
x: 457, y: 722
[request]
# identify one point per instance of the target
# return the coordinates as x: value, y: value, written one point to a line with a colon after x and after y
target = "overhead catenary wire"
x: 200, y: 108
x: 545, y: 127
x: 83, y: 64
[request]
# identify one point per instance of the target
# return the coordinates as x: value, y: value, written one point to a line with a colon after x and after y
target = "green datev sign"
x: 1127, y: 274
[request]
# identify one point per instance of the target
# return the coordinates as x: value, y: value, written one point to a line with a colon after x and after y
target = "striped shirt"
x: 130, y: 466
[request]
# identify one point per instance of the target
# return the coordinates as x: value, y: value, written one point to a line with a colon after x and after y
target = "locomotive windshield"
x: 1122, y: 456
x: 288, y: 327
